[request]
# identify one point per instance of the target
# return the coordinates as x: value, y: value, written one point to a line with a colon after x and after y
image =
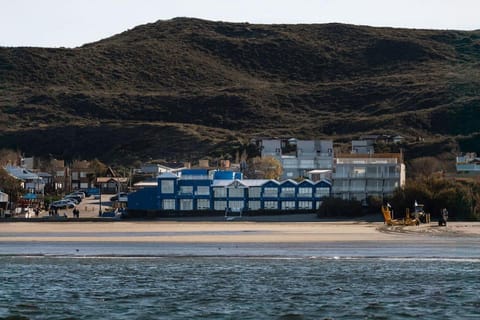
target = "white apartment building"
x: 358, y: 176
x: 298, y: 157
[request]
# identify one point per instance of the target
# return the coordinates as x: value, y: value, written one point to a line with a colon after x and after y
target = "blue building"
x: 203, y: 190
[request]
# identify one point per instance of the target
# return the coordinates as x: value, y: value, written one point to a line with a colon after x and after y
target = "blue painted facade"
x: 199, y: 189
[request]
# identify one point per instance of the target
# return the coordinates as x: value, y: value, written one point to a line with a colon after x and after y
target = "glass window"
x: 203, y: 190
x: 186, y: 189
x: 270, y: 205
x: 322, y: 192
x: 270, y: 192
x: 203, y: 204
x: 234, y: 192
x: 220, y: 205
x: 305, y: 191
x: 254, y: 192
x: 254, y: 205
x: 288, y: 205
x: 220, y: 192
x: 304, y: 204
x: 167, y: 186
x: 288, y: 192
x: 186, y: 204
x: 235, y: 205
x: 168, y: 204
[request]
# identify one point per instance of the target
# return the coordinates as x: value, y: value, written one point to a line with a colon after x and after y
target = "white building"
x: 298, y: 157
x: 468, y: 163
x: 358, y: 176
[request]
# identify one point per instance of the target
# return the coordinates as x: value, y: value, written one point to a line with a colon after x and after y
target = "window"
x: 358, y: 172
x: 304, y: 204
x: 168, y: 204
x: 305, y: 192
x: 307, y: 164
x: 235, y: 205
x: 270, y: 205
x: 288, y: 205
x: 322, y: 192
x: 83, y: 185
x: 270, y: 192
x: 203, y: 204
x: 357, y: 185
x: 186, y: 204
x: 220, y: 192
x: 74, y: 175
x: 83, y: 174
x: 203, y: 190
x: 60, y: 173
x: 288, y: 192
x: 254, y: 192
x: 220, y: 205
x: 234, y: 192
x: 254, y: 205
x: 186, y: 190
x: 167, y: 186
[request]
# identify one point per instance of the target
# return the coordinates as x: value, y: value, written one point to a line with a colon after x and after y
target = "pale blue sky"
x: 71, y: 23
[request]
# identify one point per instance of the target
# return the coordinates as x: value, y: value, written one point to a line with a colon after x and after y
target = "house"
x: 155, y: 169
x: 363, y: 146
x: 196, y: 190
x: 81, y: 175
x: 29, y: 180
x: 3, y: 203
x: 110, y: 183
x: 298, y: 157
x: 468, y: 163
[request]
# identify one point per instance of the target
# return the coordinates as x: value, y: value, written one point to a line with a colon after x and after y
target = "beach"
x: 237, y: 231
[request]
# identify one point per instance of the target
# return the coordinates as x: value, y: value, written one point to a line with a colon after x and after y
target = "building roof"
x: 116, y: 179
x: 22, y: 173
x: 167, y: 175
x: 142, y: 184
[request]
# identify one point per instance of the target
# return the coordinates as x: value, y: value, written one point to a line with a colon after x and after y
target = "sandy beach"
x: 229, y: 232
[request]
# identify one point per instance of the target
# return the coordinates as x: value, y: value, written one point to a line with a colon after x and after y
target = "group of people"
x: 53, y: 211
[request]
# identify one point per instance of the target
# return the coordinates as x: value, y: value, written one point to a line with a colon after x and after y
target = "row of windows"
x: 167, y: 187
x: 221, y: 205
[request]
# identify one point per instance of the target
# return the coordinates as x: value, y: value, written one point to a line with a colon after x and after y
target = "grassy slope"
x: 184, y: 88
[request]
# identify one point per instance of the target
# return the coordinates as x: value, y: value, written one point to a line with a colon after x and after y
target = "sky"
x: 71, y: 23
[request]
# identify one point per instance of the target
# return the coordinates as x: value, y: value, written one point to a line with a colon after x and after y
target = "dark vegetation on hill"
x: 186, y: 88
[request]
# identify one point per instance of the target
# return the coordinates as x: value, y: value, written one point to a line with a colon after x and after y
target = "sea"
x: 341, y: 280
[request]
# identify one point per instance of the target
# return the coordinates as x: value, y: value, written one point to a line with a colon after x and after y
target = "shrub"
x: 336, y: 207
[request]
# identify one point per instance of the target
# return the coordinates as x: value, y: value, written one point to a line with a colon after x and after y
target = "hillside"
x: 186, y: 88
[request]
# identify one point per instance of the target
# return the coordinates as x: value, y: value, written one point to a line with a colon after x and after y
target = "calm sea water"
x: 222, y: 287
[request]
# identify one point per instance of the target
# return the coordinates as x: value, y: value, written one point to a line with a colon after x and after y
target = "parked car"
x: 80, y: 194
x: 122, y: 197
x: 77, y: 198
x: 74, y: 200
x: 63, y: 204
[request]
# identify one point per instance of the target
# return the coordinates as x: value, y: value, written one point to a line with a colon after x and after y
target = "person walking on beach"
x: 443, y: 217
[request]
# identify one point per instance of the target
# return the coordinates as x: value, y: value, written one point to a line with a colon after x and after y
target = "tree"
x: 424, y: 166
x: 10, y: 185
x: 264, y: 168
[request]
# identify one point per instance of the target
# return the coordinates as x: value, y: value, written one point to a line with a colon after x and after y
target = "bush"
x: 336, y: 207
